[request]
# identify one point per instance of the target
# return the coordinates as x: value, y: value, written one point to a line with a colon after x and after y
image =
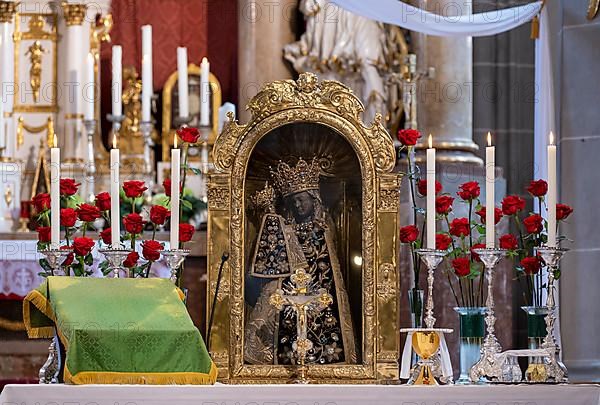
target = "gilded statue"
x: 35, y: 52
x: 296, y: 237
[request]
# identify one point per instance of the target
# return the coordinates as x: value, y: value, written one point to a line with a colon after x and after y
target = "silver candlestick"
x: 432, y: 259
x: 115, y: 258
x: 116, y: 121
x: 175, y: 258
x: 56, y: 257
x: 555, y: 369
x: 90, y: 129
x: 489, y: 365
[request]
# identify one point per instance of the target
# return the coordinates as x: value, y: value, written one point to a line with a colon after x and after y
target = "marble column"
x: 264, y: 28
x: 74, y: 141
x: 7, y: 79
x: 445, y: 104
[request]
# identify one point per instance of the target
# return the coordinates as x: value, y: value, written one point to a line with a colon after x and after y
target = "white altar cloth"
x: 299, y: 395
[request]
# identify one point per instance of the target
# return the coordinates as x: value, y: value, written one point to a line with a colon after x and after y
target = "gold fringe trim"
x: 107, y: 377
x: 13, y: 326
x: 41, y: 303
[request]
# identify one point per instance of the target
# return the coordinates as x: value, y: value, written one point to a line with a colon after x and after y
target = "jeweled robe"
x: 269, y: 333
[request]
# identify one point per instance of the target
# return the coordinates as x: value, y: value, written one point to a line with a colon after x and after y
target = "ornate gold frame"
x: 37, y: 34
x: 334, y: 105
x: 167, y: 103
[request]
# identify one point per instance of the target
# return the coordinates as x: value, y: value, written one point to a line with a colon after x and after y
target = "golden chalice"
x: 425, y: 344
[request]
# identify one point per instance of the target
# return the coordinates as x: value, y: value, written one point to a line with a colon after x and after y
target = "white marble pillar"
x: 74, y: 141
x: 445, y: 101
x: 7, y: 72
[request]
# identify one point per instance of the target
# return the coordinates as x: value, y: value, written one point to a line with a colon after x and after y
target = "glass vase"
x: 536, y: 325
x: 415, y: 300
x: 472, y: 329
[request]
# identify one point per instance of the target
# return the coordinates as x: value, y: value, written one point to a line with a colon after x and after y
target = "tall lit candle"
x: 430, y: 195
x: 182, y: 82
x: 147, y: 88
x: 175, y: 178
x: 55, y: 195
x: 552, y: 192
x: 205, y: 92
x: 115, y: 214
x: 490, y: 199
x: 90, y: 94
x: 117, y: 81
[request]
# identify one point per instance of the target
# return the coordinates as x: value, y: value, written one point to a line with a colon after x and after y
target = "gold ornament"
x: 74, y: 13
x: 7, y: 11
x: 593, y: 9
x: 302, y: 177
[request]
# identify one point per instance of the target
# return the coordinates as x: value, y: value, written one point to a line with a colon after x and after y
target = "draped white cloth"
x: 415, y: 19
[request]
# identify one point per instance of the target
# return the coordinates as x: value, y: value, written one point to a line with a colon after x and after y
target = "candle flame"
x: 54, y: 141
x: 551, y: 138
x: 175, y: 141
x: 430, y: 141
x: 114, y: 141
x: 204, y: 60
x: 489, y: 139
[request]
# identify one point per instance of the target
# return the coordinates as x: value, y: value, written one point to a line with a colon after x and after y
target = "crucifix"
x: 303, y: 298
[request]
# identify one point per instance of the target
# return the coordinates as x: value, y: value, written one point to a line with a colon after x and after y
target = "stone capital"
x: 7, y: 11
x: 74, y: 13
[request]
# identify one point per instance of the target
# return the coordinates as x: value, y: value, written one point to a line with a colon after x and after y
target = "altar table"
x: 299, y: 395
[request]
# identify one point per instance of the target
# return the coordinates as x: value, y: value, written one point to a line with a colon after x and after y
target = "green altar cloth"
x: 120, y: 331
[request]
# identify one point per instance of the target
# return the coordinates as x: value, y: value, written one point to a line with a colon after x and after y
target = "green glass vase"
x: 472, y: 330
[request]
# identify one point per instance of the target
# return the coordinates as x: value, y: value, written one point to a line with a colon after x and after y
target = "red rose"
x: 43, y: 233
x: 460, y: 227
x: 443, y: 204
x: 82, y: 246
x: 68, y: 217
x: 474, y: 255
x: 497, y: 215
x: 134, y: 188
x: 103, y: 201
x: 531, y: 265
x: 68, y: 260
x: 409, y: 234
x: 159, y: 214
x: 105, y: 235
x: 508, y: 242
x: 442, y: 241
x: 88, y: 213
x: 538, y: 188
x: 408, y: 137
x: 131, y: 260
x: 512, y: 204
x: 461, y: 266
x: 167, y: 186
x: 151, y: 250
x: 68, y: 187
x: 563, y: 211
x: 186, y: 231
x: 188, y: 134
x: 41, y: 202
x: 534, y: 223
x: 133, y: 223
x: 422, y: 187
x: 469, y: 191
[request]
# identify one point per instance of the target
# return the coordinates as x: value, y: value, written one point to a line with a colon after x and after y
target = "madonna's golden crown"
x: 302, y: 177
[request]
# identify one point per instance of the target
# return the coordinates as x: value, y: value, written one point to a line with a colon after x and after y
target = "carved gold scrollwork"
x: 7, y: 11
x: 48, y: 126
x: 218, y: 198
x: 74, y: 13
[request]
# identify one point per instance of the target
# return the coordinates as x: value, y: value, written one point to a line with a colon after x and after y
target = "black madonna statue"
x: 298, y: 234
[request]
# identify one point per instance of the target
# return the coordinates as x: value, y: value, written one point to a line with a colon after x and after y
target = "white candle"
x: 117, y: 81
x: 430, y: 195
x: 182, y: 82
x: 115, y: 214
x: 147, y: 87
x: 552, y: 192
x: 204, y: 92
x: 55, y: 195
x: 175, y: 174
x: 90, y: 94
x: 490, y: 203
